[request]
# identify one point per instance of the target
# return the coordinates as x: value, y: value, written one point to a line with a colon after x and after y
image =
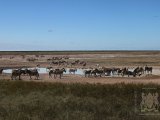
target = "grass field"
x: 104, y: 58
x: 20, y: 100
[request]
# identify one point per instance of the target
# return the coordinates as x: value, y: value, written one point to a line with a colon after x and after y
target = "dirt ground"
x: 104, y: 59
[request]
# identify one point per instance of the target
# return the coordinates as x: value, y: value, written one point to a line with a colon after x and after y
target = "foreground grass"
x: 21, y: 100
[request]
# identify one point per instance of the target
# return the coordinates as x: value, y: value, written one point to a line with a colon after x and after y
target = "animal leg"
x: 19, y: 77
x: 11, y: 77
x: 54, y: 76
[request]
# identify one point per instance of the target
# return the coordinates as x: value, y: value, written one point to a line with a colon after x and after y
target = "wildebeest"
x: 57, y: 72
x: 18, y: 73
x: 73, y: 63
x: 49, y: 68
x: 65, y: 57
x: 33, y: 72
x: 49, y: 59
x: 72, y: 70
x: 84, y: 64
x: 55, y: 62
x: 148, y: 69
x: 62, y: 62
x: 31, y: 59
x: 56, y: 58
x: 77, y: 61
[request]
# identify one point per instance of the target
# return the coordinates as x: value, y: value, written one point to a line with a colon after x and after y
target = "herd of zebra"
x: 138, y: 71
x: 34, y: 72
x: 87, y: 73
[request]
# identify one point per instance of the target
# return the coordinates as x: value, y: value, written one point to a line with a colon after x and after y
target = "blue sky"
x: 79, y: 24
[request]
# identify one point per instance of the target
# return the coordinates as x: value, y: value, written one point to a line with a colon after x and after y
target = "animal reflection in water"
x: 56, y: 72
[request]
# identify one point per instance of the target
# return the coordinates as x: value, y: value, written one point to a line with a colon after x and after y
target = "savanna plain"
x: 98, y: 96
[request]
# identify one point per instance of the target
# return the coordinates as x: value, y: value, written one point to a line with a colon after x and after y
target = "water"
x: 7, y: 71
x: 45, y: 71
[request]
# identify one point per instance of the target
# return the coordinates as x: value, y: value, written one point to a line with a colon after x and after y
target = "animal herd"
x: 138, y: 71
x: 97, y: 72
x: 67, y: 63
x: 19, y: 72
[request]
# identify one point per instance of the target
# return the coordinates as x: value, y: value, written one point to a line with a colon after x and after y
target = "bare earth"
x: 107, y: 59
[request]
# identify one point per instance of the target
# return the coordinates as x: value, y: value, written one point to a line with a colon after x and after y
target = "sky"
x: 79, y: 25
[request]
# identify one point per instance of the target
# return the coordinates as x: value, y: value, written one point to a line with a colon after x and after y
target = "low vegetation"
x: 20, y: 100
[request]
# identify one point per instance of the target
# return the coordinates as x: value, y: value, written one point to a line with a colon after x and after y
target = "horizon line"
x: 74, y: 50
